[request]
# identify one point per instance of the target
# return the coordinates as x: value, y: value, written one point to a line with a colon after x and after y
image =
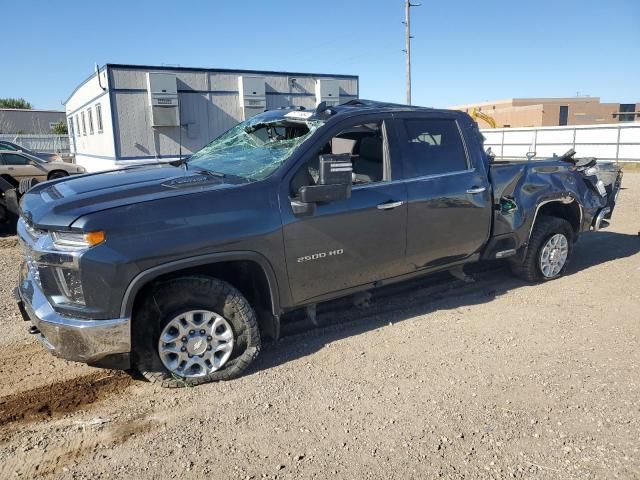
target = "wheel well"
x: 56, y: 171
x: 569, y: 211
x: 245, y: 275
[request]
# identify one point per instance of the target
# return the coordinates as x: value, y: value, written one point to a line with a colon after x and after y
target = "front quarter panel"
x: 145, y: 235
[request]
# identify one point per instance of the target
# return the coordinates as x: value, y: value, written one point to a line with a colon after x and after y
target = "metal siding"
x: 304, y: 85
x: 129, y: 79
x: 277, y: 101
x: 133, y: 131
x: 137, y: 79
x: 348, y: 87
x: 223, y: 82
x: 224, y: 113
x: 194, y: 110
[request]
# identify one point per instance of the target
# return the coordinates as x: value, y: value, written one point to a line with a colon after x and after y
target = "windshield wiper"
x: 211, y: 173
x: 203, y: 170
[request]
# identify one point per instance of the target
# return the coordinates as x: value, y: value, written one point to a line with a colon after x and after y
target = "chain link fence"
x: 40, y: 143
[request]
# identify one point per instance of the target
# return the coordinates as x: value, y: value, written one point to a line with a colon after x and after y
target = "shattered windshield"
x: 255, y: 148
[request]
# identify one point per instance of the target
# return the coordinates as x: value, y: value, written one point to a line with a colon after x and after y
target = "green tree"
x: 60, y: 128
x: 15, y: 103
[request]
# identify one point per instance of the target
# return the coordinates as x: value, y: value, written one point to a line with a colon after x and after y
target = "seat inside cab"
x: 363, y: 143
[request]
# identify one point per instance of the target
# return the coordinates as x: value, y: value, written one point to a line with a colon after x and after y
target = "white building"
x: 126, y: 114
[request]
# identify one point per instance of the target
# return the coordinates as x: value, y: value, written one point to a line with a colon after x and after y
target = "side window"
x: 15, y: 159
x: 90, y: 116
x: 7, y: 146
x: 99, y: 117
x: 432, y: 147
x: 363, y: 142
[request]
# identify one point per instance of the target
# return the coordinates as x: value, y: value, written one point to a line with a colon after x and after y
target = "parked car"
x: 178, y: 270
x: 14, y: 147
x: 15, y: 166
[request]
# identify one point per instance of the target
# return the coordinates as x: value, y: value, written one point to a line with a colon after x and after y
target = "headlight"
x: 77, y: 241
x: 81, y: 169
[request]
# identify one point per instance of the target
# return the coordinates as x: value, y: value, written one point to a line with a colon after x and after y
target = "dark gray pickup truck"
x: 178, y: 270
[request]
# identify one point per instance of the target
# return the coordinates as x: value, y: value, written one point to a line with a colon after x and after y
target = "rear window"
x: 432, y: 147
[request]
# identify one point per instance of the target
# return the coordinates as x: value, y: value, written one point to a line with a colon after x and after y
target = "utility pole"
x: 407, y: 48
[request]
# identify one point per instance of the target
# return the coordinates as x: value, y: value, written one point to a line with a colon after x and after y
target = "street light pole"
x: 407, y: 49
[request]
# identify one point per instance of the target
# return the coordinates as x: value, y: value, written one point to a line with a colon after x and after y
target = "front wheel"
x: 194, y: 330
x: 548, y: 252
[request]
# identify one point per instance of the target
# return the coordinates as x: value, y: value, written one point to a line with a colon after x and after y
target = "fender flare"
x: 146, y: 276
x: 565, y: 200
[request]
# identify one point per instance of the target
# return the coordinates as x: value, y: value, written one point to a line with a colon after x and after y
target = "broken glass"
x: 255, y: 148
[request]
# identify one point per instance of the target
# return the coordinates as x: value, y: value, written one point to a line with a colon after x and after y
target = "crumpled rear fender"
x: 533, y: 187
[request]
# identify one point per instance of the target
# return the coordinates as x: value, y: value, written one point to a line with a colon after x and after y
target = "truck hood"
x: 57, y: 204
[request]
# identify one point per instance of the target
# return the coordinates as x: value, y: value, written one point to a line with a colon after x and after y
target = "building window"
x: 71, y: 129
x: 564, y: 115
x: 99, y: 117
x: 84, y: 124
x: 628, y: 108
x: 90, y: 116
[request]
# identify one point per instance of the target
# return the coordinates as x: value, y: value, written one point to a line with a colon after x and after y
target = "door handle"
x: 476, y: 189
x: 389, y: 205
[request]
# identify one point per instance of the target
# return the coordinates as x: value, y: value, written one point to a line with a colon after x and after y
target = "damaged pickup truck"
x: 179, y: 270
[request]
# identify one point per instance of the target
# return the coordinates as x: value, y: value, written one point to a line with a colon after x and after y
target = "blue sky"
x: 463, y: 51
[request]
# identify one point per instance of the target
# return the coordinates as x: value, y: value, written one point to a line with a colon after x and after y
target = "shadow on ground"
x: 341, y: 319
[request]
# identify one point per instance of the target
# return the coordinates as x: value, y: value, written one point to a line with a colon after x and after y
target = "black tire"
x: 545, y: 228
x: 179, y: 295
x: 57, y: 174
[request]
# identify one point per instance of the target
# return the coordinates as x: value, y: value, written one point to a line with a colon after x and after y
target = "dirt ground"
x: 437, y: 378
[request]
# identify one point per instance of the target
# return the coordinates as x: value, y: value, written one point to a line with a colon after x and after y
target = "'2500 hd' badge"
x: 319, y: 255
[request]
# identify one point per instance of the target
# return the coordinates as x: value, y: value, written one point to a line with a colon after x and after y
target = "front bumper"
x: 102, y: 343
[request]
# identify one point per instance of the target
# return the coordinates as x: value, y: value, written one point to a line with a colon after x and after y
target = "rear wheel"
x: 549, y: 251
x: 194, y: 330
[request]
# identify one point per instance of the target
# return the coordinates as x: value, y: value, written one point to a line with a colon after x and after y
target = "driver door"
x: 352, y: 242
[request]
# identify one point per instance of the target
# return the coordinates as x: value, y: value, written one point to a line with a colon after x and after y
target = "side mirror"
x: 334, y: 183
x: 324, y: 193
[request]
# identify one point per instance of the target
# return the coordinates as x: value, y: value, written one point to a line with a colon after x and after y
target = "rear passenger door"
x: 449, y: 201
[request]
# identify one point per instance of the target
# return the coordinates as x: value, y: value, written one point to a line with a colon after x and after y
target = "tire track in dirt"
x: 54, y: 460
x: 61, y: 397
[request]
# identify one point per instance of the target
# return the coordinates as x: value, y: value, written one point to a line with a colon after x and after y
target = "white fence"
x: 39, y: 143
x: 611, y: 142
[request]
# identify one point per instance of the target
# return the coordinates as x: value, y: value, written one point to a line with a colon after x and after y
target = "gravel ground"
x: 436, y: 378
